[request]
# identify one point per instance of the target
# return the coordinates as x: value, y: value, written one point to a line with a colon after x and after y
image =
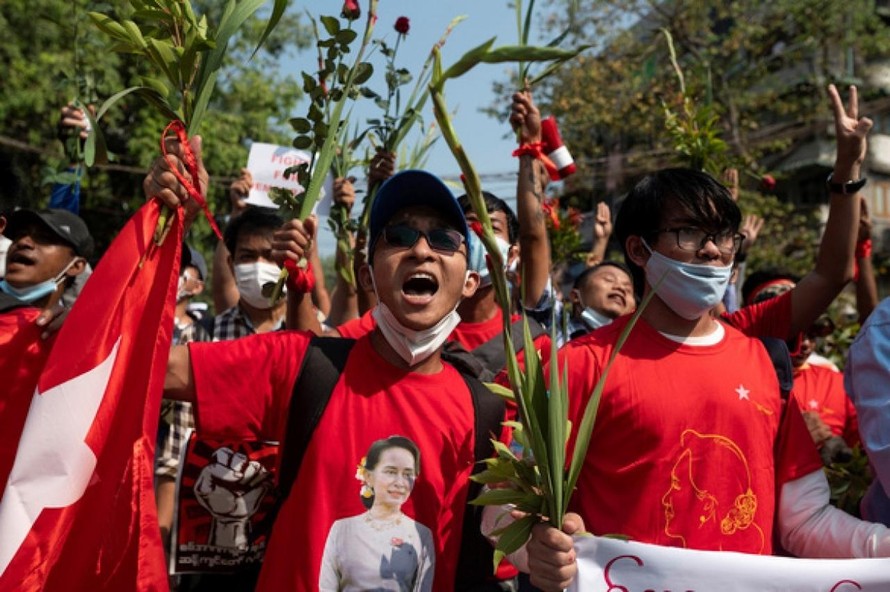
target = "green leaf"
x: 110, y: 103
x: 533, y: 53
x: 278, y: 8
x: 302, y: 142
x: 467, y: 61
x: 500, y: 390
x: 110, y: 27
x: 331, y: 25
x: 513, y: 537
x: 363, y: 72
x: 234, y: 15
x: 134, y: 33
x: 499, y: 497
x: 346, y: 36
x: 300, y: 125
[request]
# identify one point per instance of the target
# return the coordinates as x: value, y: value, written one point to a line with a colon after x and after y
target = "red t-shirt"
x: 472, y: 335
x: 355, y: 328
x: 243, y: 390
x: 682, y: 451
x: 770, y: 318
x: 821, y: 389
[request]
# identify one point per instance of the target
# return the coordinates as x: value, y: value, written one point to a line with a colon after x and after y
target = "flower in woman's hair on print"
x: 396, y: 542
x: 403, y: 25
x: 360, y: 473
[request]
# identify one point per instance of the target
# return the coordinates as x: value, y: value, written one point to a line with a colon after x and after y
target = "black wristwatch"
x: 848, y: 188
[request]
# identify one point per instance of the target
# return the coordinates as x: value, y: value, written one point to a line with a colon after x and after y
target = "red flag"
x: 78, y: 510
x: 22, y: 356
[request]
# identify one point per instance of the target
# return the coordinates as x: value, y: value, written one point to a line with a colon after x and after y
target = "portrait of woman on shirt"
x: 382, y: 548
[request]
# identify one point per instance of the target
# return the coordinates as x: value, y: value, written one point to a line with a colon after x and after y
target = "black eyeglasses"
x: 692, y: 239
x: 445, y: 240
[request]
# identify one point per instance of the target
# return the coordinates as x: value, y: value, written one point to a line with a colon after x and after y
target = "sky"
x: 488, y: 141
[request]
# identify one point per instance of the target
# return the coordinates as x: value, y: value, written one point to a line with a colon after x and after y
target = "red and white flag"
x: 78, y: 510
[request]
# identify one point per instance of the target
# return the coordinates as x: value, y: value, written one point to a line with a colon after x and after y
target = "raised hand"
x: 239, y: 190
x: 293, y: 240
x: 851, y: 130
x: 162, y: 184
x: 382, y: 167
x: 525, y: 118
x: 751, y: 228
x: 344, y: 192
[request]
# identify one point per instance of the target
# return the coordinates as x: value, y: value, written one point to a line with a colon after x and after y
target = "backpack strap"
x: 321, y: 369
x: 476, y: 553
x: 322, y: 366
x: 492, y: 353
x: 781, y: 359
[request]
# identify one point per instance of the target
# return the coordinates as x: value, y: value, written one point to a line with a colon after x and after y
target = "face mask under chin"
x: 36, y: 292
x: 413, y: 346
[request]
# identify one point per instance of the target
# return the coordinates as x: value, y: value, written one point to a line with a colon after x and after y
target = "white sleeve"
x: 496, y: 517
x: 810, y: 527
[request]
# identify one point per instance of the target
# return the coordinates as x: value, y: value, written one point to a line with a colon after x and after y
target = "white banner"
x: 267, y: 163
x: 612, y: 565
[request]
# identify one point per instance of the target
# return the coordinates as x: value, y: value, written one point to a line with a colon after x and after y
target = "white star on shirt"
x: 814, y: 404
x: 743, y: 393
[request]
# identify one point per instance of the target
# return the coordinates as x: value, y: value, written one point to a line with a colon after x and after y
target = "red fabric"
x: 299, y: 280
x: 536, y: 150
x: 683, y: 449
x: 358, y: 327
x: 821, y: 389
x: 373, y: 400
x: 106, y: 537
x: 770, y: 318
x: 472, y: 335
x: 22, y: 356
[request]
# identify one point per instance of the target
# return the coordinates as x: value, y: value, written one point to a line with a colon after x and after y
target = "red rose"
x: 476, y: 227
x: 403, y: 25
x: 768, y: 182
x: 351, y: 10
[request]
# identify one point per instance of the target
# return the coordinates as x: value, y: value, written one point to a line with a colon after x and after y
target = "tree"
x: 763, y: 67
x: 52, y: 54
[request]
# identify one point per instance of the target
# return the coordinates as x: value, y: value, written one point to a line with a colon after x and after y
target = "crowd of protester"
x: 344, y: 463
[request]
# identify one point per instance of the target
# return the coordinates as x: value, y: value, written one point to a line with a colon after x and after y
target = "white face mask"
x: 4, y: 247
x: 476, y: 260
x: 413, y: 346
x: 251, y: 277
x: 690, y: 290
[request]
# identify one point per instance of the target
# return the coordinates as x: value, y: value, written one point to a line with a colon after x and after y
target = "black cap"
x: 69, y: 227
x: 414, y: 188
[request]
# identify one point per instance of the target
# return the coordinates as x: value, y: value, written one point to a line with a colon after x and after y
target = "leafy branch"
x: 320, y: 130
x: 185, y: 53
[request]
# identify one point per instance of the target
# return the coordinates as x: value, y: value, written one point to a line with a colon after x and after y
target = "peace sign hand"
x: 851, y: 130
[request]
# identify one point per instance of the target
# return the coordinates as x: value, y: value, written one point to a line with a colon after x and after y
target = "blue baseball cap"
x: 414, y: 188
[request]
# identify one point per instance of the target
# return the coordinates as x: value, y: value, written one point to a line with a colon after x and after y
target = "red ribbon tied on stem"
x: 536, y: 150
x: 300, y: 280
x: 191, y: 166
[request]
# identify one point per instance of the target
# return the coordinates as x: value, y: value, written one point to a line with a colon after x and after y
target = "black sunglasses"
x: 445, y: 240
